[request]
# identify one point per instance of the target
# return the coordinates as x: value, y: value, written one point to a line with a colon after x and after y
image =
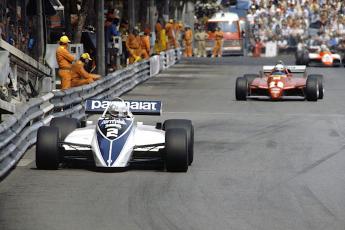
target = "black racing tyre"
x: 250, y: 77
x: 176, y: 148
x: 320, y: 81
x: 305, y: 59
x: 65, y: 125
x: 47, y: 148
x: 241, y: 89
x: 312, y: 89
x: 188, y: 126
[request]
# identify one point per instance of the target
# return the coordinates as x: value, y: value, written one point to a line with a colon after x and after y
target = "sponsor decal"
x: 136, y: 107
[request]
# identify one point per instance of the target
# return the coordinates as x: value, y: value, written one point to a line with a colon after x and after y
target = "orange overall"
x: 64, y: 60
x: 178, y: 28
x: 133, y: 48
x: 170, y: 31
x: 217, y: 50
x: 145, y: 46
x: 158, y: 43
x: 188, y: 41
x: 80, y: 76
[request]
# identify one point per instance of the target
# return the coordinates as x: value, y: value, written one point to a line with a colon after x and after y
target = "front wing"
x: 288, y: 94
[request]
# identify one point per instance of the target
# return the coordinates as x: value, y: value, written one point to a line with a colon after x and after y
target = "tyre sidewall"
x: 320, y: 80
x: 186, y: 125
x: 176, y: 148
x: 312, y: 89
x: 47, y: 148
x: 241, y: 89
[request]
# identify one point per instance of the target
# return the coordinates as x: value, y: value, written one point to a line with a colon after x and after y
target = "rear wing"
x: 140, y: 107
x: 292, y: 68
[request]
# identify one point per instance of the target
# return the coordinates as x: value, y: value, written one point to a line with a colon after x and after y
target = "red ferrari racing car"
x: 280, y: 82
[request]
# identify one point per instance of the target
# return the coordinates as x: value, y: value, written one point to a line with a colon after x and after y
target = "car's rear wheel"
x: 305, y: 59
x: 188, y: 126
x: 65, y: 125
x: 320, y: 81
x: 250, y: 77
x: 241, y: 89
x: 47, y: 148
x: 312, y: 89
x: 176, y: 149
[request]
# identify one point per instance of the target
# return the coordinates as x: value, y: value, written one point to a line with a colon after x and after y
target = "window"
x: 224, y: 26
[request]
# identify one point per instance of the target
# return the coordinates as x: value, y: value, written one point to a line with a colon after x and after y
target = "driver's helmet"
x: 324, y: 48
x: 279, y: 68
x: 118, y: 110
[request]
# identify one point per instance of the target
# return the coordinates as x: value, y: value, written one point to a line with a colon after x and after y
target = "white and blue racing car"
x: 116, y: 140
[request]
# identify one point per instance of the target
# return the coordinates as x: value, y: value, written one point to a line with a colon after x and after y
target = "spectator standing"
x: 188, y: 42
x: 178, y: 26
x: 145, y: 43
x: 170, y: 31
x: 201, y: 37
x: 111, y: 32
x: 217, y: 50
x: 133, y: 46
x: 161, y: 39
x: 64, y: 59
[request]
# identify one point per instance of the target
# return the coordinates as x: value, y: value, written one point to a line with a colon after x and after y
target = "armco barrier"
x: 18, y: 132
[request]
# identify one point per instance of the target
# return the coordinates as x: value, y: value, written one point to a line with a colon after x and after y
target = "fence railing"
x: 18, y: 131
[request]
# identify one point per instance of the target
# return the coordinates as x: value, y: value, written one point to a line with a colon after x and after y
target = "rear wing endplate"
x: 137, y: 107
x: 292, y: 68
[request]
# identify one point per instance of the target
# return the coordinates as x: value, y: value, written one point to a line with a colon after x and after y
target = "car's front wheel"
x: 188, y: 126
x: 176, y: 150
x: 47, y: 148
x: 241, y: 89
x: 320, y: 81
x: 312, y: 89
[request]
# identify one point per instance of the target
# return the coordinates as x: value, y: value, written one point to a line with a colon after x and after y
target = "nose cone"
x: 275, y: 93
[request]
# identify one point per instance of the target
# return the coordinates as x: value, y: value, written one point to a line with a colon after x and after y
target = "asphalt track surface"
x: 258, y: 165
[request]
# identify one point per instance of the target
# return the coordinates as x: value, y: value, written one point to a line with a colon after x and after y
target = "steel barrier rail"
x: 18, y: 131
x: 69, y: 102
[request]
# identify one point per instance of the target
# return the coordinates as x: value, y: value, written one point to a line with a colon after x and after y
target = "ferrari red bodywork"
x: 289, y: 82
x: 277, y: 86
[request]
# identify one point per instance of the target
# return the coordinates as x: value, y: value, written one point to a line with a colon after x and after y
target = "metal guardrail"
x: 18, y: 131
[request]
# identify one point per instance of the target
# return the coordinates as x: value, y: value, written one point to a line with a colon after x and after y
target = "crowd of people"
x: 289, y: 22
x: 135, y: 46
x: 16, y: 31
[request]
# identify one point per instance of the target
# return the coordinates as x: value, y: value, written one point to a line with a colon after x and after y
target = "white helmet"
x: 323, y: 47
x: 118, y: 110
x: 279, y: 67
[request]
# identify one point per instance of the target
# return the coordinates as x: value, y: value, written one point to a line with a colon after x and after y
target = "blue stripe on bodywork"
x: 116, y: 144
